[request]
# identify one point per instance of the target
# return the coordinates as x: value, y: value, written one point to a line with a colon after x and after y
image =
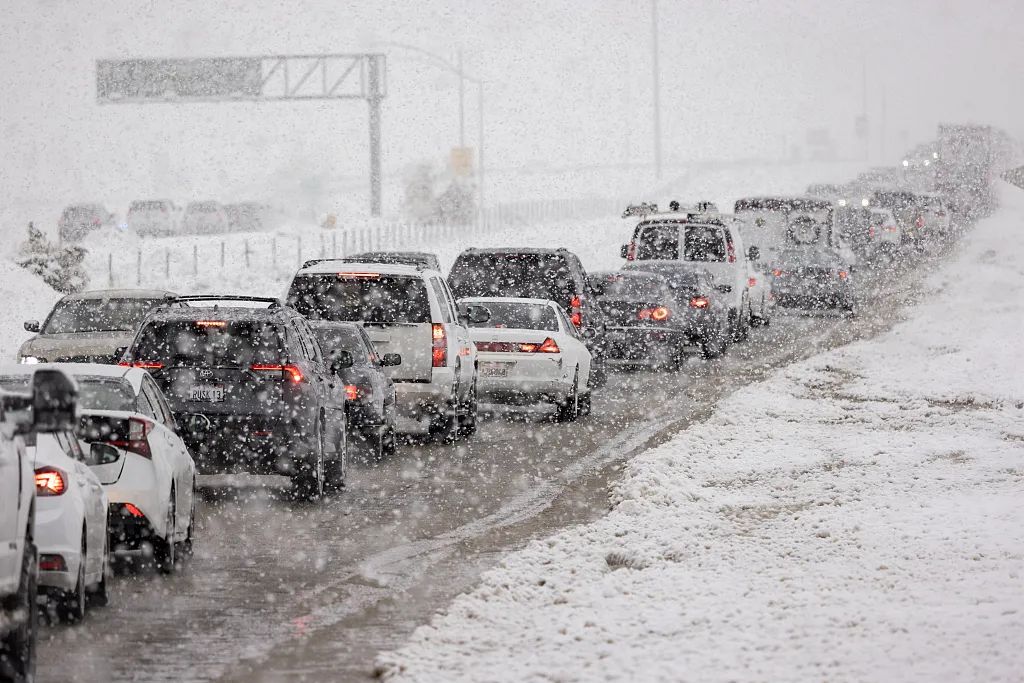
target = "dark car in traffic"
x: 369, y: 392
x: 249, y: 388
x: 533, y: 273
x: 78, y: 220
x: 659, y: 313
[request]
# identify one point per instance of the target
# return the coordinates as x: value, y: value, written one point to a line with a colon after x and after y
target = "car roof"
x: 331, y: 267
x: 133, y: 375
x: 516, y: 250
x: 121, y: 294
x: 226, y: 313
x: 510, y: 300
x: 779, y: 201
x: 631, y: 272
x: 424, y: 255
x: 334, y: 324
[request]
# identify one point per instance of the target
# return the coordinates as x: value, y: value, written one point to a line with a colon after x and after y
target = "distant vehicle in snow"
x: 153, y: 217
x: 369, y: 392
x: 410, y: 312
x: 797, y: 240
x: 89, y: 327
x: 698, y: 310
x: 248, y: 387
x: 71, y: 505
x: 704, y: 239
x: 529, y: 351
x: 527, y: 272
x: 47, y: 406
x: 204, y: 218
x: 419, y: 259
x: 247, y: 217
x: 78, y: 220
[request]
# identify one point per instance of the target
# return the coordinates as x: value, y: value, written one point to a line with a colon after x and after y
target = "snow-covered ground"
x: 856, y: 516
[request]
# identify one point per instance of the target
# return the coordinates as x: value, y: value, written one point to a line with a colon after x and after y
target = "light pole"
x: 458, y: 70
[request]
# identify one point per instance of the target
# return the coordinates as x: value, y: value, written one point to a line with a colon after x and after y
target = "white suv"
x: 701, y: 237
x: 51, y: 408
x: 410, y: 312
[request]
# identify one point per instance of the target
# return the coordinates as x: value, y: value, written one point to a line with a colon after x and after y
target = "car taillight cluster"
x: 699, y: 302
x: 631, y: 252
x: 549, y: 345
x: 138, y: 438
x: 144, y: 364
x: 576, y: 311
x: 657, y: 314
x: 355, y: 393
x: 292, y: 373
x: 50, y: 481
x: 439, y: 346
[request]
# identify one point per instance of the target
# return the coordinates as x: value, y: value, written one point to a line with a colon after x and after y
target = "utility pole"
x: 374, y: 100
x: 462, y: 102
x: 657, y: 89
x: 480, y: 137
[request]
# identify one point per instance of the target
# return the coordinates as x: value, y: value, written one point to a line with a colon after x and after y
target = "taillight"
x: 439, y: 346
x: 751, y: 282
x: 50, y: 481
x: 699, y: 302
x: 138, y: 438
x: 777, y: 273
x: 732, y: 251
x: 357, y: 394
x: 631, y: 252
x: 871, y: 232
x: 549, y: 345
x: 52, y: 563
x: 657, y: 314
x: 576, y: 311
x: 290, y: 372
x: 130, y: 510
x: 144, y: 364
x: 842, y: 274
x: 919, y: 222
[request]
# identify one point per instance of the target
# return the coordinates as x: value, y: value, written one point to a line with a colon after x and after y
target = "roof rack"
x: 356, y: 259
x: 272, y: 301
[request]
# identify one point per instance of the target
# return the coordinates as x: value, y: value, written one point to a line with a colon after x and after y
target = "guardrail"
x: 127, y: 260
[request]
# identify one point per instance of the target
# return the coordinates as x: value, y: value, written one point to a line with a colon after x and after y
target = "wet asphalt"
x: 278, y: 590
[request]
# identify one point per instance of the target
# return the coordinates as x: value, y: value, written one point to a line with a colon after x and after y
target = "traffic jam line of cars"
x: 124, y: 397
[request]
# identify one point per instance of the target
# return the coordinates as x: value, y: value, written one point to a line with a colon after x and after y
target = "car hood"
x: 53, y: 346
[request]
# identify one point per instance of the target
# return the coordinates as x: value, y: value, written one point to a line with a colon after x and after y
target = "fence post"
x: 273, y: 253
x: 195, y: 260
x: 298, y: 250
x: 167, y: 265
x: 138, y: 268
x: 110, y: 268
x: 222, y: 255
x: 334, y: 244
x: 247, y: 253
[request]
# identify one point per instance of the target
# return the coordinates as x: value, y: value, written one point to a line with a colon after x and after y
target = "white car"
x: 19, y: 561
x: 702, y: 237
x: 762, y: 303
x: 528, y: 351
x: 70, y: 514
x: 141, y: 462
x: 409, y: 311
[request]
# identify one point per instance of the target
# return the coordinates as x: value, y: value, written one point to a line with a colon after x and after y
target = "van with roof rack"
x: 410, y: 311
x: 249, y: 388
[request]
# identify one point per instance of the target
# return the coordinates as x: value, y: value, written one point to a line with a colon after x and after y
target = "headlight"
x: 31, y: 360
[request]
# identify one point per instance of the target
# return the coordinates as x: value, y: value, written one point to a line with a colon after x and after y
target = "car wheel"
x: 468, y: 426
x: 186, y: 546
x: 18, y: 646
x: 99, y: 596
x: 71, y: 605
x: 165, y: 550
x: 585, y: 404
x: 308, y: 483
x: 569, y: 409
x: 598, y: 371
x: 714, y: 344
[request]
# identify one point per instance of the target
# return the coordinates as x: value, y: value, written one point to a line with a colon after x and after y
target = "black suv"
x: 555, y: 274
x: 249, y: 388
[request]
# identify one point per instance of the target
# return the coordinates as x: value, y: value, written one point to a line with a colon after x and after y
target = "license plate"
x: 207, y: 393
x: 495, y: 369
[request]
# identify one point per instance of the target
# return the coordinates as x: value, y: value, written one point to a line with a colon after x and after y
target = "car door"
x: 12, y: 516
x: 737, y: 259
x: 467, y: 349
x: 93, y: 498
x: 330, y: 387
x: 458, y: 335
x: 574, y: 350
x: 167, y: 445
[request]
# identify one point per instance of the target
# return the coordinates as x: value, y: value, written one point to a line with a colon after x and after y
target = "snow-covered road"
x: 856, y: 516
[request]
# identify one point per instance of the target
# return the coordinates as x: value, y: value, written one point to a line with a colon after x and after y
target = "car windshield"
x: 98, y: 315
x: 335, y: 339
x: 518, y: 316
x: 526, y: 276
x: 375, y: 299
x: 210, y: 342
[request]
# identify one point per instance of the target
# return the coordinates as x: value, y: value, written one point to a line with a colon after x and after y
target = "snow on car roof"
x: 325, y: 267
x: 133, y: 375
x: 507, y: 300
x: 121, y: 294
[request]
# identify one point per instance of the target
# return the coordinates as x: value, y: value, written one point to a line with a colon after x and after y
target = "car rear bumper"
x: 417, y: 401
x: 649, y: 344
x: 523, y: 378
x: 252, y: 444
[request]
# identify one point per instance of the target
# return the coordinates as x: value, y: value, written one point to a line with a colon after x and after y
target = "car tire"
x: 308, y: 484
x: 568, y: 410
x: 165, y: 550
x: 598, y: 371
x: 72, y: 604
x: 18, y: 646
x: 715, y: 346
x: 585, y: 404
x: 468, y: 425
x: 100, y: 596
x: 186, y: 545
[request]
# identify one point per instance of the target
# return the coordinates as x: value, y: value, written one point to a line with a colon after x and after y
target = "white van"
x: 706, y: 239
x: 411, y: 312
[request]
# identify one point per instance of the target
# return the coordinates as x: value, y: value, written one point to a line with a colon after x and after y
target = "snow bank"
x: 857, y: 516
x: 23, y: 296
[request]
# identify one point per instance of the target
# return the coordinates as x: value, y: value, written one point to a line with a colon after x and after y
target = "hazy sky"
x: 568, y: 83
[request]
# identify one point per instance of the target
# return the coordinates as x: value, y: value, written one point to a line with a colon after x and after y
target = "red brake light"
x: 699, y: 302
x: 374, y: 276
x: 660, y: 313
x: 842, y: 274
x: 211, y: 323
x: 144, y: 364
x: 50, y: 482
x: 752, y: 282
x: 132, y: 510
x: 290, y: 372
x: 777, y: 273
x: 576, y: 311
x: 549, y: 346
x: 52, y: 563
x: 919, y: 222
x: 138, y: 438
x: 631, y: 252
x: 732, y: 251
x: 439, y: 346
x: 351, y: 392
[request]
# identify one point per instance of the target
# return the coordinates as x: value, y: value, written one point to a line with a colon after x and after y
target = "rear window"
x: 210, y: 343
x: 661, y: 243
x: 334, y: 339
x: 203, y: 207
x: 384, y: 299
x: 98, y: 315
x: 94, y: 393
x: 634, y: 286
x: 519, y: 316
x: 154, y: 205
x: 526, y: 276
x: 704, y: 243
x: 81, y: 213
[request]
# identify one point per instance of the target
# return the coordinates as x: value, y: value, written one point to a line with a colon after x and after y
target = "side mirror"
x: 102, y: 454
x: 54, y: 402
x: 753, y: 254
x: 473, y: 315
x: 342, y: 360
x: 597, y: 286
x: 390, y: 360
x: 624, y: 251
x: 120, y: 352
x: 724, y: 289
x: 32, y: 326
